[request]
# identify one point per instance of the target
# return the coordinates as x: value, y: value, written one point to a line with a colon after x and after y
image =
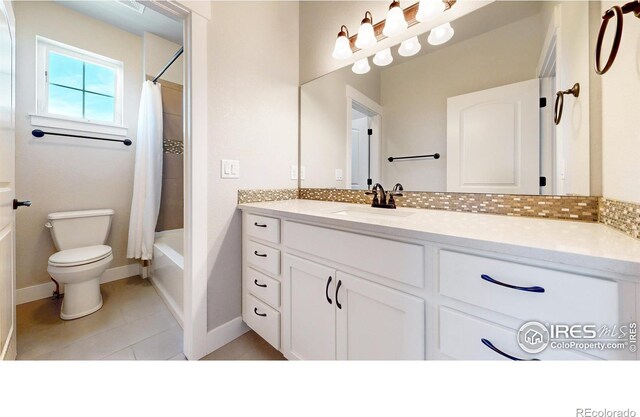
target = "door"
x: 493, y: 140
x: 376, y: 322
x: 7, y: 178
x: 309, y: 318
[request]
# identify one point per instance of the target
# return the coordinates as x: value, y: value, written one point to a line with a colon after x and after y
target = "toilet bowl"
x: 82, y: 258
x: 80, y: 270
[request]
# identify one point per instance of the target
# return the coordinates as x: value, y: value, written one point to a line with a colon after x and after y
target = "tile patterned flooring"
x: 133, y: 324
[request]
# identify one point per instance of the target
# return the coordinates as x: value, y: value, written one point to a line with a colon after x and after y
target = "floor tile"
x: 122, y: 355
x: 162, y: 346
x: 249, y: 346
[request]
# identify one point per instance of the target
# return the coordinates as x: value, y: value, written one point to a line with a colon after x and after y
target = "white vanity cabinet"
x: 318, y: 287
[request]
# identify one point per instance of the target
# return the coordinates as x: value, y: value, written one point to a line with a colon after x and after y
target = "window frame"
x: 43, y: 47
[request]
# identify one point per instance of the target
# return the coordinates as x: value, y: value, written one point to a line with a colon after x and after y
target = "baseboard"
x: 225, y: 333
x: 38, y: 292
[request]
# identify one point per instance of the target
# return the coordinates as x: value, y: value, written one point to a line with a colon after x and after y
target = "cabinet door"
x: 377, y: 322
x: 309, y: 318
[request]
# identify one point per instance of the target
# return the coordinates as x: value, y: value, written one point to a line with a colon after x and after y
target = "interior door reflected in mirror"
x: 483, y: 101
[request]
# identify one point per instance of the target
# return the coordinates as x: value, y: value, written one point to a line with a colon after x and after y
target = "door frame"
x: 354, y: 95
x: 195, y: 17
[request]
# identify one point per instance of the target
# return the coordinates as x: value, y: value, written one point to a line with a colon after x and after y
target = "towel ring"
x: 557, y: 109
x: 617, y: 12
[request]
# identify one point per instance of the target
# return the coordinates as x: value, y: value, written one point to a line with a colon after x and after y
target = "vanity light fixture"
x: 396, y: 22
x: 366, y: 37
x: 383, y: 58
x: 428, y: 9
x: 361, y: 66
x: 440, y: 34
x: 342, y: 48
x: 410, y: 47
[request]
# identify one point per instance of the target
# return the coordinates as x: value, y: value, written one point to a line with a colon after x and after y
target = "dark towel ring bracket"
x: 39, y: 133
x: 617, y: 12
x: 574, y: 91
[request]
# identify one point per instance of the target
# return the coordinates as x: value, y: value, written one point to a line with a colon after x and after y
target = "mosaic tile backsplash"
x: 552, y: 207
x: 622, y: 216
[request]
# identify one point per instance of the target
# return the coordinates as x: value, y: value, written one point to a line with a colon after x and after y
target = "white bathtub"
x: 167, y: 270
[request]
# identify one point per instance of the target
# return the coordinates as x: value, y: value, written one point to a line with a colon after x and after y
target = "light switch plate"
x: 303, y: 173
x: 294, y: 172
x: 229, y: 168
x: 338, y: 174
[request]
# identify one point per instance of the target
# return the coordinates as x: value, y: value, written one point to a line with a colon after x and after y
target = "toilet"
x: 82, y: 258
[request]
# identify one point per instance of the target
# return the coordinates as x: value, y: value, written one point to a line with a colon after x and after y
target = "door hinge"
x: 543, y: 181
x: 543, y: 102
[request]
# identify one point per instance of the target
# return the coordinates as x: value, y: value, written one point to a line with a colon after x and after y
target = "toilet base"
x: 81, y: 299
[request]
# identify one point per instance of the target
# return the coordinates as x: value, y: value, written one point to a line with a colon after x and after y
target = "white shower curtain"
x: 147, y: 182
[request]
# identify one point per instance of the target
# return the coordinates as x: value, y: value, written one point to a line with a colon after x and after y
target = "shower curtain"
x: 147, y: 182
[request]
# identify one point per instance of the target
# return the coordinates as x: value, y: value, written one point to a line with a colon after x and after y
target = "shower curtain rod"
x: 169, y: 64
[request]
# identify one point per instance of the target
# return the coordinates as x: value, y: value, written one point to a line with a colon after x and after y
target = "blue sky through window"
x: 81, y: 89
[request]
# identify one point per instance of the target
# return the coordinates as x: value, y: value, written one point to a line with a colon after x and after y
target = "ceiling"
x: 118, y: 15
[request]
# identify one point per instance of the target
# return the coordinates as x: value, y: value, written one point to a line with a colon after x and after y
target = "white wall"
x: 157, y: 53
x: 60, y: 174
x: 620, y: 104
x: 323, y: 124
x: 414, y: 96
x: 253, y: 117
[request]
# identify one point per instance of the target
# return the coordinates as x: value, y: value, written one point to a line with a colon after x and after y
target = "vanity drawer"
x: 399, y: 261
x: 263, y: 257
x: 567, y: 298
x: 461, y: 338
x: 265, y: 288
x: 265, y: 228
x: 262, y: 319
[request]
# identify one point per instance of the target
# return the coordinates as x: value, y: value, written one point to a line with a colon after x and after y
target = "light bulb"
x: 440, y: 34
x: 410, y: 47
x: 428, y: 9
x: 383, y: 57
x: 395, y: 23
x: 366, y: 36
x: 361, y: 66
x: 342, y: 48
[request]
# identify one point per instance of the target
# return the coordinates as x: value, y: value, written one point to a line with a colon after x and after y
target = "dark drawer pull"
x: 255, y: 281
x: 337, y: 291
x: 326, y: 291
x: 262, y: 255
x: 259, y: 225
x: 488, y: 344
x: 255, y: 310
x: 514, y: 287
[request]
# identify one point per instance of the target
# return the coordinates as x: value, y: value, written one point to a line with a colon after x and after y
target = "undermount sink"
x: 371, y: 212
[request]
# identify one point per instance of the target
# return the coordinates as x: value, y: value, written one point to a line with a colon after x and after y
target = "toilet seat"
x: 80, y: 256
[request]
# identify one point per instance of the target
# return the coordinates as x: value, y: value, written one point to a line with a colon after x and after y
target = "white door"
x: 308, y: 312
x: 7, y: 178
x: 376, y: 322
x: 493, y: 140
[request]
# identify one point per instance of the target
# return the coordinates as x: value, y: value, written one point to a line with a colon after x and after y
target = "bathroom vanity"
x: 325, y: 280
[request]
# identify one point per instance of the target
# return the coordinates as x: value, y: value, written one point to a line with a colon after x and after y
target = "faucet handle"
x: 396, y: 190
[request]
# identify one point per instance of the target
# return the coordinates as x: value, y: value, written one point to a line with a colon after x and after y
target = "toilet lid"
x: 80, y: 256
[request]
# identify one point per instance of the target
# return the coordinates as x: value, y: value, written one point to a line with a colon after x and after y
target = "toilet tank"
x: 75, y: 229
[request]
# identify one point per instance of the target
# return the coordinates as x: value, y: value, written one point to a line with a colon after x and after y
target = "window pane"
x: 64, y: 70
x: 99, y: 79
x: 99, y: 108
x: 65, y: 101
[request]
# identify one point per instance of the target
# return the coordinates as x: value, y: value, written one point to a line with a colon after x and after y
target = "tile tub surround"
x: 620, y: 215
x: 551, y: 207
x: 257, y: 196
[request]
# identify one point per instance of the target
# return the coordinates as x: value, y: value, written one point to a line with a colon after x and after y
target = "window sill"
x: 55, y: 122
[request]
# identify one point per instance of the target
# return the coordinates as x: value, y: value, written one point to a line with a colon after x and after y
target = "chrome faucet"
x: 380, y: 196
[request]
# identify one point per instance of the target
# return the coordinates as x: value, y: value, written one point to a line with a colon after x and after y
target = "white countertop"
x: 589, y: 245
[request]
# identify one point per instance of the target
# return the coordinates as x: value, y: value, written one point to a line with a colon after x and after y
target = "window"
x: 78, y: 85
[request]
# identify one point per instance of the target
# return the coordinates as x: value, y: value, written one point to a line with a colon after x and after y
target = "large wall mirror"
x: 478, y: 101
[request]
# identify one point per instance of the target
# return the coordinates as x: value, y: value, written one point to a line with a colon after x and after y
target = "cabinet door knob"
x: 326, y: 291
x: 255, y: 310
x: 514, y: 287
x: 337, y: 290
x: 488, y: 344
x: 255, y: 281
x: 262, y: 255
